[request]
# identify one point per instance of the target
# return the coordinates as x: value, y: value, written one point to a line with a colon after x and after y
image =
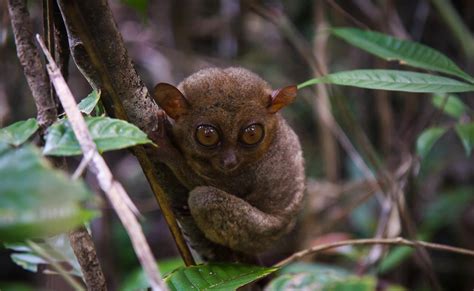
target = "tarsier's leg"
x: 230, y: 221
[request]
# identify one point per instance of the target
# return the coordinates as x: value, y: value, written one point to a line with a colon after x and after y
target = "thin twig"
x: 113, y: 189
x: 42, y: 253
x: 371, y: 241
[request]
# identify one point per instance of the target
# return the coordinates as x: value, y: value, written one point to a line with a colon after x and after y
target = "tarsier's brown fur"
x: 244, y: 198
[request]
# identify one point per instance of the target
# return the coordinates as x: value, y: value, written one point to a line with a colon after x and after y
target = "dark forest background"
x: 287, y: 42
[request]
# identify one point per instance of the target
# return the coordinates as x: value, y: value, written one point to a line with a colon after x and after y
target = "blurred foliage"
x: 37, y: 201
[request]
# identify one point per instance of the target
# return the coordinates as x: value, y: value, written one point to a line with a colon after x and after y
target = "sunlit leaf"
x: 450, y: 104
x: 18, y: 132
x: 35, y: 200
x: 215, y: 276
x: 107, y: 133
x: 392, y: 80
x: 427, y: 139
x: 88, y: 104
x: 28, y: 261
x: 466, y: 135
x: 405, y: 51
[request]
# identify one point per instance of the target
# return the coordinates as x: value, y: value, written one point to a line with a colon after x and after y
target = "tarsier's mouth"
x: 207, y: 170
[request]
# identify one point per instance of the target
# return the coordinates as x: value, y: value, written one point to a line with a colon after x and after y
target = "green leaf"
x: 465, y: 133
x: 310, y: 276
x: 35, y: 200
x: 353, y: 283
x: 28, y: 261
x: 18, y: 132
x: 446, y: 210
x: 58, y: 248
x: 393, y: 80
x: 450, y: 104
x: 305, y: 276
x: 140, y: 6
x: 17, y: 286
x: 88, y: 104
x: 215, y: 276
x: 107, y: 133
x: 138, y: 280
x: 405, y: 51
x: 427, y: 139
x: 394, y: 258
x: 320, y: 269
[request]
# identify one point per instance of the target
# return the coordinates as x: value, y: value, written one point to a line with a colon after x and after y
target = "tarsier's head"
x: 223, y: 118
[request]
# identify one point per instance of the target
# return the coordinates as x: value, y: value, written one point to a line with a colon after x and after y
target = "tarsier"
x: 239, y: 159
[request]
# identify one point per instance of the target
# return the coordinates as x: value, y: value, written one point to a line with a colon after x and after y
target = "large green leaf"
x: 18, y: 132
x: 465, y: 132
x: 35, y: 200
x: 108, y: 134
x: 450, y: 104
x: 407, y: 52
x: 215, y: 276
x: 88, y: 104
x: 427, y: 139
x: 393, y: 80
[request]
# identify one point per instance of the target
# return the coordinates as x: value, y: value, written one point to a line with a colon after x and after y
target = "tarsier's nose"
x: 229, y: 160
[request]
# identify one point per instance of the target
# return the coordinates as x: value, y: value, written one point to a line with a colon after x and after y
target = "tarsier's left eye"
x: 252, y: 134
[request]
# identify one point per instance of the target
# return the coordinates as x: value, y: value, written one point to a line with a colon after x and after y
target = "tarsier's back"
x: 237, y: 156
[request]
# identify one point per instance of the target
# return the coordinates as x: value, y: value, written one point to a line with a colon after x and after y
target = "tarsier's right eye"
x: 207, y: 135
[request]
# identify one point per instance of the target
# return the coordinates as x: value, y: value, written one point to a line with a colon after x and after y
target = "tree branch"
x: 113, y: 189
x: 31, y: 62
x: 40, y: 87
x: 98, y: 50
x: 373, y: 241
x: 83, y: 247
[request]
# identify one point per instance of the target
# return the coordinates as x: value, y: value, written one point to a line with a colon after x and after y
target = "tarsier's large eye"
x: 252, y: 134
x: 207, y: 135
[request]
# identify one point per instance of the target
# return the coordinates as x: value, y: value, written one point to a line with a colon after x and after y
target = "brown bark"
x: 31, y: 62
x: 38, y: 82
x: 98, y: 50
x: 85, y: 252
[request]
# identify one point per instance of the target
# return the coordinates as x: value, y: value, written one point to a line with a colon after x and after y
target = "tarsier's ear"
x: 281, y: 97
x: 171, y: 100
